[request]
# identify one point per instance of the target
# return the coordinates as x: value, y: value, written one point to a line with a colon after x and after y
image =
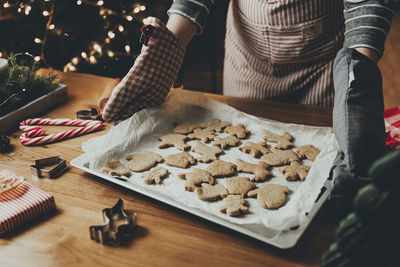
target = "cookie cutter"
x: 87, y: 114
x: 119, y: 224
x: 38, y: 171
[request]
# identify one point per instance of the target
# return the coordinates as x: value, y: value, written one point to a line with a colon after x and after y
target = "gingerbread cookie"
x: 260, y: 170
x: 234, y: 205
x: 238, y: 130
x: 185, y: 127
x: 282, y: 141
x: 307, y: 151
x: 155, y: 175
x: 220, y: 168
x: 270, y: 196
x: 209, y: 192
x: 196, y: 177
x: 143, y: 161
x: 115, y: 168
x: 204, y: 136
x: 180, y: 160
x: 226, y: 142
x: 208, y: 153
x: 239, y: 185
x: 255, y: 149
x: 176, y: 140
x: 294, y: 171
x: 280, y: 157
x: 215, y: 125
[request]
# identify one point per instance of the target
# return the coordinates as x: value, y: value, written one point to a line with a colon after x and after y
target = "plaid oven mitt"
x: 153, y: 73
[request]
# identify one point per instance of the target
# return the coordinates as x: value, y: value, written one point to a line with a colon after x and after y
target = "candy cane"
x: 35, y: 135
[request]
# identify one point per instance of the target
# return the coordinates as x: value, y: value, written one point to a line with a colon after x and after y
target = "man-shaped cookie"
x: 239, y: 185
x: 185, y: 127
x: 260, y: 170
x: 215, y: 125
x: 180, y: 160
x: 226, y: 142
x: 238, y: 130
x: 255, y: 149
x: 143, y: 161
x: 279, y: 157
x: 307, y: 151
x: 208, y: 153
x: 234, y: 205
x: 282, y: 141
x: 220, y: 168
x: 115, y: 168
x: 209, y: 192
x: 204, y: 136
x: 270, y: 196
x: 294, y: 171
x: 155, y: 175
x: 176, y: 140
x: 196, y: 177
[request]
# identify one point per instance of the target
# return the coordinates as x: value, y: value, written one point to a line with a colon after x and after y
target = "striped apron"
x: 282, y: 50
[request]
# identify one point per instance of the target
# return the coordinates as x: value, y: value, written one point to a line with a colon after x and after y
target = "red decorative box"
x: 22, y: 204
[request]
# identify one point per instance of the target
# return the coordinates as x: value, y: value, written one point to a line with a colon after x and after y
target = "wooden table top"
x: 166, y: 235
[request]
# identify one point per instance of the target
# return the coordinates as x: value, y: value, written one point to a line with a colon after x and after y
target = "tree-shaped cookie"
x: 270, y: 196
x: 307, y: 151
x: 180, y: 160
x: 185, y: 127
x: 155, y: 175
x: 115, y: 168
x: 226, y: 142
x: 209, y: 192
x: 234, y: 205
x: 215, y: 125
x: 294, y: 171
x: 238, y: 130
x: 204, y: 136
x: 255, y: 149
x: 208, y: 153
x: 260, y: 170
x: 196, y: 177
x: 143, y: 161
x: 176, y: 140
x: 220, y: 168
x: 239, y: 185
x: 282, y: 141
x: 280, y: 157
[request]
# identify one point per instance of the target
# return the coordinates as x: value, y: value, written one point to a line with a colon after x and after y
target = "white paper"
x: 140, y: 132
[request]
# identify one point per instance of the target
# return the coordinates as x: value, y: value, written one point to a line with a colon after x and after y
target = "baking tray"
x: 281, y: 228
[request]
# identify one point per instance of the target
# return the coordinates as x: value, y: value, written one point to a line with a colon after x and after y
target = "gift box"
x: 22, y: 204
x: 392, y: 124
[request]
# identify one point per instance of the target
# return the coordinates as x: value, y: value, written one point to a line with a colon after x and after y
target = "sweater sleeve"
x: 195, y: 10
x: 367, y: 22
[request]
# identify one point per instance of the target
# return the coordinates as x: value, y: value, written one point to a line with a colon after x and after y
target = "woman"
x: 283, y: 51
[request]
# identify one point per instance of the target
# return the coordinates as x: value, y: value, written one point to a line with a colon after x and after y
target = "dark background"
x: 79, y: 27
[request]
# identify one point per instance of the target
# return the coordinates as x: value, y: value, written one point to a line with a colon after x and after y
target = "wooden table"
x: 166, y: 236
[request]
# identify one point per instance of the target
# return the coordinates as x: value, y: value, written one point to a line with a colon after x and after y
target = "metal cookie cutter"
x: 39, y: 172
x: 91, y: 114
x: 118, y: 224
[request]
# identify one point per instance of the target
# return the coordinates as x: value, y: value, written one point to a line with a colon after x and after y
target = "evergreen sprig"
x: 21, y: 85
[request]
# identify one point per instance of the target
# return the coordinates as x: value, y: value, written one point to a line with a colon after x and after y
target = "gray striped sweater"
x: 367, y: 22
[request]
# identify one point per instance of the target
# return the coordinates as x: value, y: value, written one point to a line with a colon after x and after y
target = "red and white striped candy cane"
x: 35, y: 134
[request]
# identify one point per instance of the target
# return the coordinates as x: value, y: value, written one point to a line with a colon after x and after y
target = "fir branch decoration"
x: 20, y: 84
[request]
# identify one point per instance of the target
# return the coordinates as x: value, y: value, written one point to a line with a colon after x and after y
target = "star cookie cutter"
x: 38, y: 171
x: 119, y: 224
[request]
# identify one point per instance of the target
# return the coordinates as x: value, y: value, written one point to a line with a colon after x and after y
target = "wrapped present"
x: 20, y: 201
x: 392, y: 124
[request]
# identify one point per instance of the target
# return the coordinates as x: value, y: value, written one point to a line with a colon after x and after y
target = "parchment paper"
x: 140, y: 133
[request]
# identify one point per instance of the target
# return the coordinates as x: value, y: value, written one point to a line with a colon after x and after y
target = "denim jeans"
x: 358, y: 124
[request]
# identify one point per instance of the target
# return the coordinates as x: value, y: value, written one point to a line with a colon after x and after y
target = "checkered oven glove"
x: 152, y: 75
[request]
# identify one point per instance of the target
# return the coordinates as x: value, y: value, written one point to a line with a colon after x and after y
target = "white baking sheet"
x: 140, y: 133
